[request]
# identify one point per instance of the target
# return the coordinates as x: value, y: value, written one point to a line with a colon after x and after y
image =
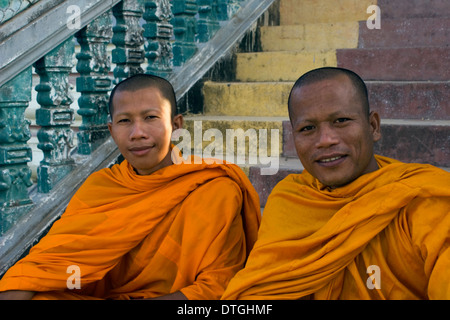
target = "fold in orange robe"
x: 186, y: 227
x: 320, y: 243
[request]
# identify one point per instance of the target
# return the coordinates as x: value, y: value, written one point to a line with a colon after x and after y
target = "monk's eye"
x: 306, y: 128
x: 342, y: 120
x: 123, y: 120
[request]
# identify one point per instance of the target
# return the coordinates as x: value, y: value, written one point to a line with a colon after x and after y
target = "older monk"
x: 352, y: 225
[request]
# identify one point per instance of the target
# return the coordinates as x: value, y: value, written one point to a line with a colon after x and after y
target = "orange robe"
x: 386, y: 235
x: 186, y: 227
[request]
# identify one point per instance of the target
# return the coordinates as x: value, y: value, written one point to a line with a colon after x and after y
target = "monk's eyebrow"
x: 332, y: 116
x: 122, y: 114
x: 127, y: 114
x: 157, y: 110
x: 340, y: 113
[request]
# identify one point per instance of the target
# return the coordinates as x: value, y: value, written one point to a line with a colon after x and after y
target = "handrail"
x: 222, y: 43
x: 48, y: 207
x: 39, y: 29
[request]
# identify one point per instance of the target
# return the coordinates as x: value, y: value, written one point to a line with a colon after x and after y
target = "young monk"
x: 150, y: 227
x: 352, y: 225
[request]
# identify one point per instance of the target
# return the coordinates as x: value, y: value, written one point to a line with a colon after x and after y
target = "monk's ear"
x: 177, y: 122
x: 374, y: 121
x: 111, y: 130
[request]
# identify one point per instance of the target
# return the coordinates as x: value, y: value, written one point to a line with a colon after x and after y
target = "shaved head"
x: 324, y: 73
x: 142, y: 81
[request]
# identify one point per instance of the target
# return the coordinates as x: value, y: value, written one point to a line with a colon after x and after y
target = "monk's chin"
x: 336, y: 182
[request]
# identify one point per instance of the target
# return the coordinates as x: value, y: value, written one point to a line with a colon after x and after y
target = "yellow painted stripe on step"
x: 246, y: 98
x: 310, y: 37
x: 293, y: 12
x: 280, y: 66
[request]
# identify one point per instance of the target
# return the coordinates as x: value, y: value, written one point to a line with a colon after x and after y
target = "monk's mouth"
x: 331, y: 161
x: 140, y: 151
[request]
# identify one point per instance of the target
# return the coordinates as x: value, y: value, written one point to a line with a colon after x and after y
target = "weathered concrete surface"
x: 265, y: 99
x: 399, y: 64
x: 404, y: 33
x: 426, y: 100
x: 280, y: 66
x: 293, y: 12
x: 313, y: 36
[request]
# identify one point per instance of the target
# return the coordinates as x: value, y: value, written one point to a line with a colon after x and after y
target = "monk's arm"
x: 16, y: 295
x: 430, y: 228
x: 217, y: 218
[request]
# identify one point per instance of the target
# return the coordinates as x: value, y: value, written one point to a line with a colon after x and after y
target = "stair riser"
x: 427, y: 144
x: 414, y: 8
x: 424, y: 100
x: 246, y: 99
x: 280, y: 66
x: 401, y: 33
x: 238, y: 141
x: 294, y: 12
x: 407, y: 64
x: 265, y: 184
x: 309, y: 37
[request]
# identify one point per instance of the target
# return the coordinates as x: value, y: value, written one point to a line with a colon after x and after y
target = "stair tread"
x: 285, y: 52
x: 413, y: 122
x: 234, y: 118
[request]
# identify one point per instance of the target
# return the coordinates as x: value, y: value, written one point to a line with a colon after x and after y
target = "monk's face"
x: 142, y: 127
x: 333, y: 136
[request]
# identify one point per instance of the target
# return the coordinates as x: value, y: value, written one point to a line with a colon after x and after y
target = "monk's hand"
x: 17, y: 295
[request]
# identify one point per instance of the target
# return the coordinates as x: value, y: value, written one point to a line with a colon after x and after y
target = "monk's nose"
x: 138, y: 131
x: 327, y: 137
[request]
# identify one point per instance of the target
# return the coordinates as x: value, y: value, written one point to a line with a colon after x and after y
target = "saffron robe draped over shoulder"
x: 386, y: 235
x: 186, y: 227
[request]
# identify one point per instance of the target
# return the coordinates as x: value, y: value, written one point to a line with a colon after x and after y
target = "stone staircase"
x: 406, y: 65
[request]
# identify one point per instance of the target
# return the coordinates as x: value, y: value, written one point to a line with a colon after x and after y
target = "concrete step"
x: 423, y: 100
x: 294, y: 12
x: 400, y: 9
x: 264, y: 99
x: 404, y: 33
x: 280, y: 66
x: 410, y: 100
x: 405, y: 140
x: 421, y: 142
x: 265, y: 183
x: 408, y: 64
x: 249, y: 140
x: 310, y: 37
